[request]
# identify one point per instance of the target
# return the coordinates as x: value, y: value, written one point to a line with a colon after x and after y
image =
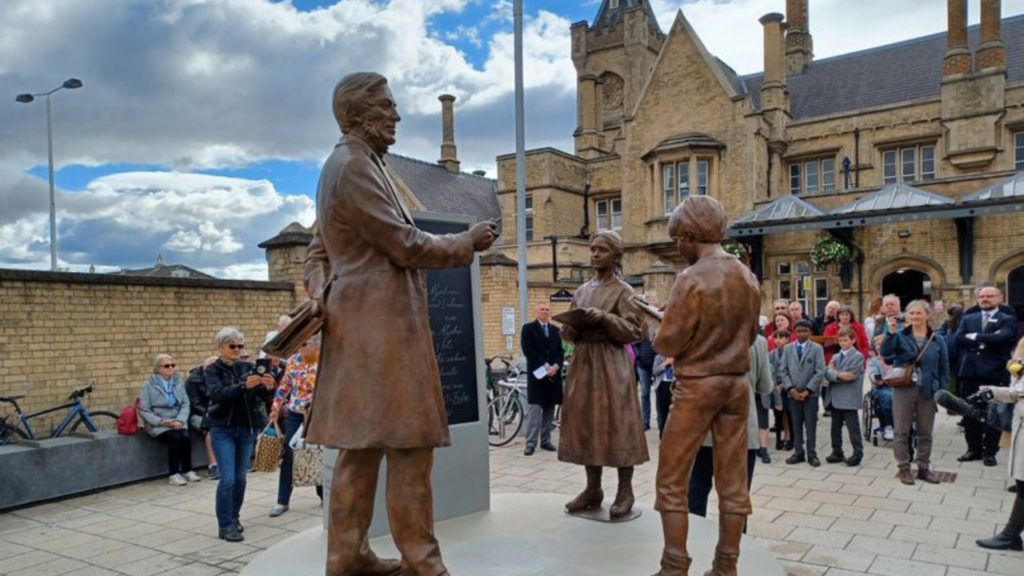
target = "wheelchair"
x: 873, y: 433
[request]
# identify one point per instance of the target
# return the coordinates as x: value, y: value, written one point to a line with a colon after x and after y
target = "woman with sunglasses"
x: 164, y: 406
x: 237, y: 413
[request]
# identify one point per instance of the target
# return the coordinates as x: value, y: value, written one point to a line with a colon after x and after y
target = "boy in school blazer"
x: 802, y: 369
x: 845, y: 375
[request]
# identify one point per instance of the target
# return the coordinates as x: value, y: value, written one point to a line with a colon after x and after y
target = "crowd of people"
x: 229, y: 404
x: 833, y: 365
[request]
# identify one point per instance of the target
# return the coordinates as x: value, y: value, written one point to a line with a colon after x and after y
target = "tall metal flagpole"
x: 524, y: 297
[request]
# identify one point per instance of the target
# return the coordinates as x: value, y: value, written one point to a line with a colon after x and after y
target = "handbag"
x: 903, y: 376
x: 308, y: 467
x: 268, y: 450
x: 128, y: 420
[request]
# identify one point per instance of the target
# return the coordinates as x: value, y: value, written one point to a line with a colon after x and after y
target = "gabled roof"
x: 448, y: 192
x: 608, y: 16
x: 162, y: 270
x: 901, y: 72
x: 893, y: 197
x: 681, y: 27
x: 1009, y: 188
x: 787, y: 207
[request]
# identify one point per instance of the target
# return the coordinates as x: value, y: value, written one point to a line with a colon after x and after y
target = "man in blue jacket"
x: 984, y: 342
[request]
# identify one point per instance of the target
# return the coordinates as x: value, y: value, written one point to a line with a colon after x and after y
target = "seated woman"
x: 881, y: 394
x: 164, y: 406
x: 289, y: 410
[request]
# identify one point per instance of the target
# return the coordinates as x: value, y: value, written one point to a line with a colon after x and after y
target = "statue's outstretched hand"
x: 483, y: 235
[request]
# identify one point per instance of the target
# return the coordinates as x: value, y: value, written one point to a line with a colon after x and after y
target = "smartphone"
x: 262, y: 366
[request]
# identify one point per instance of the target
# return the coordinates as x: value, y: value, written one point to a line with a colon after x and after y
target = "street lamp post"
x: 70, y: 84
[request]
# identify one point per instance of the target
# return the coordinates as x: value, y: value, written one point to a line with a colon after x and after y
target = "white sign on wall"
x: 508, y: 321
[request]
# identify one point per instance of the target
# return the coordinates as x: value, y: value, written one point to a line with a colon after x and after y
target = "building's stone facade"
x: 692, y: 108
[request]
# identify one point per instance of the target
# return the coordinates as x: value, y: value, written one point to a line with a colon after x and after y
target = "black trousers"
x: 805, y: 425
x: 981, y: 439
x: 703, y: 475
x: 851, y: 419
x: 663, y: 401
x: 179, y: 450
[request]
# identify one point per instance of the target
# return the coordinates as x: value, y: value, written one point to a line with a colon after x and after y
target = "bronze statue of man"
x: 710, y: 323
x: 378, y: 390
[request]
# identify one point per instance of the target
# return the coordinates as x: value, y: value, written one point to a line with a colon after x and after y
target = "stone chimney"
x: 958, y: 55
x: 799, y: 44
x: 774, y: 86
x: 449, y: 155
x: 775, y: 98
x: 992, y: 52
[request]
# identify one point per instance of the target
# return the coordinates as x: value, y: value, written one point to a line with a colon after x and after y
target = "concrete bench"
x: 61, y: 467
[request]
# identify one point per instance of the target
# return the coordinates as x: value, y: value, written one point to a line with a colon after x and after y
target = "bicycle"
x: 505, y: 411
x: 492, y: 376
x: 77, y: 416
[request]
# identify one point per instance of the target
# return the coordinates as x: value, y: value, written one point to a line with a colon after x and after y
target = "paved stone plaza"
x: 830, y: 521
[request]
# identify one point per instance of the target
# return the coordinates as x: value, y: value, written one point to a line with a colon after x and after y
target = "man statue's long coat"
x: 378, y: 384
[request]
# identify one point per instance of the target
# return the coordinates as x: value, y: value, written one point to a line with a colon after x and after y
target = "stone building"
x: 907, y: 154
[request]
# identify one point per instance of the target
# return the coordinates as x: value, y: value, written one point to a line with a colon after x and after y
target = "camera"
x: 980, y: 398
x: 262, y: 366
x: 901, y: 319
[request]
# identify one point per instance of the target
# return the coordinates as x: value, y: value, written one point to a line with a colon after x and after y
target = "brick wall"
x: 59, y: 331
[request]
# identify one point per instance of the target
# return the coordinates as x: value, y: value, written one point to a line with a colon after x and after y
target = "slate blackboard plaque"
x: 450, y: 295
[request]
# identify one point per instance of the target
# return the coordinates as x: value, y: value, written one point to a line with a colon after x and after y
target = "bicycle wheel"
x: 10, y: 434
x: 103, y: 421
x: 505, y: 419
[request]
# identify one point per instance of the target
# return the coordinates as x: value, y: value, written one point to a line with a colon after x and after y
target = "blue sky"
x: 203, y: 123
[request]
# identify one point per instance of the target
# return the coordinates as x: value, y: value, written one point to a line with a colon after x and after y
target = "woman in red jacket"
x: 845, y: 319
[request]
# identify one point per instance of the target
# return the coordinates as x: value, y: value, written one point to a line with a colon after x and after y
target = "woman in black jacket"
x: 236, y: 415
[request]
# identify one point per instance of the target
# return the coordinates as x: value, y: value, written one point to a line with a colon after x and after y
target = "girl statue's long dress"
x: 601, y: 421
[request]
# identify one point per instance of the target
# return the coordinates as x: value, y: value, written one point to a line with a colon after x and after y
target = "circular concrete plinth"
x: 530, y: 535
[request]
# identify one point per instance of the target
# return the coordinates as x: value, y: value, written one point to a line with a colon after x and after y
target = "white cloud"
x: 214, y: 84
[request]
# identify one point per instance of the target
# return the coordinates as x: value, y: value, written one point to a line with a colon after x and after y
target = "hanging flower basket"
x: 737, y: 250
x: 828, y: 250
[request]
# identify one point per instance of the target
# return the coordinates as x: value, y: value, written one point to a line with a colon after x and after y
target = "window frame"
x: 805, y: 172
x: 897, y: 159
x: 703, y: 188
x: 610, y: 214
x: 1018, y: 150
x: 669, y: 191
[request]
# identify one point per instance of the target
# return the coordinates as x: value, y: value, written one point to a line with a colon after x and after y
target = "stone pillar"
x: 992, y: 52
x: 799, y: 43
x: 449, y: 155
x: 958, y: 55
x: 588, y: 112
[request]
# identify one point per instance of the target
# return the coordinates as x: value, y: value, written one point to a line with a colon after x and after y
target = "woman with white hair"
x: 236, y: 415
x: 164, y: 406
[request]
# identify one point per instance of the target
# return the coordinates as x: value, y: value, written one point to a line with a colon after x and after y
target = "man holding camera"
x: 984, y: 341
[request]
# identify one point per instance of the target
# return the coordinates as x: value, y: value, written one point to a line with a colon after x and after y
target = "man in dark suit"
x: 541, y: 343
x: 984, y: 341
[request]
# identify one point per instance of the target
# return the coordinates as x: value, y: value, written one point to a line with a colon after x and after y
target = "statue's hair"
x: 614, y: 240
x: 699, y: 218
x: 350, y: 97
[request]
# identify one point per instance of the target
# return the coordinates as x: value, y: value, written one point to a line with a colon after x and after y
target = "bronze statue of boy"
x: 710, y: 323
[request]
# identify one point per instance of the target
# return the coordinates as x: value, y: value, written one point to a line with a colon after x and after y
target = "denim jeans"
x: 645, y: 384
x: 233, y: 446
x: 883, y: 402
x: 284, y: 483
